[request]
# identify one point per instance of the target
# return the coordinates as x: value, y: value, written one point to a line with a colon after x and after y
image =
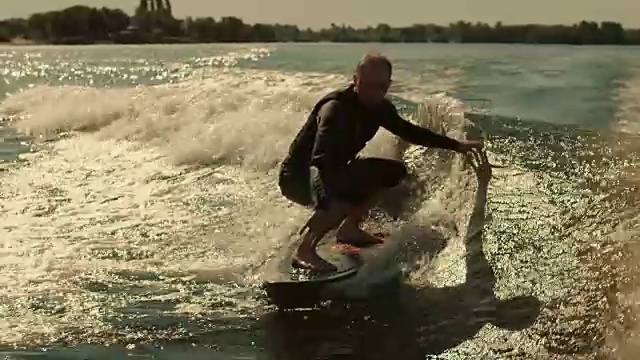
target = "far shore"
x: 185, y: 41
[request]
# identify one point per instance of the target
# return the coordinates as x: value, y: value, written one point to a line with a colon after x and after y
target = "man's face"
x: 372, y: 83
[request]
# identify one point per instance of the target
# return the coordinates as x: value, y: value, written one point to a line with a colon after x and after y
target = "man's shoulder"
x: 331, y: 107
x: 387, y: 110
x: 333, y: 104
x: 338, y: 95
x: 388, y: 104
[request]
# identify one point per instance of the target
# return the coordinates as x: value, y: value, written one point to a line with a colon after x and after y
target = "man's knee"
x: 396, y: 172
x: 383, y: 172
x: 294, y: 188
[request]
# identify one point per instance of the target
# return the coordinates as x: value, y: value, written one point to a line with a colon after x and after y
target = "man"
x: 322, y: 169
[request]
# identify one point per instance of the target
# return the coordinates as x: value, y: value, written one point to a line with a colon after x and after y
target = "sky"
x: 317, y: 14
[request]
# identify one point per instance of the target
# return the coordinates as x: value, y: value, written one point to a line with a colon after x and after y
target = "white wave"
x: 627, y: 115
x: 240, y: 116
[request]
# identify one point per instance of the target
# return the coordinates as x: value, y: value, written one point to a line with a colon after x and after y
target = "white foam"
x: 628, y: 113
x: 244, y: 118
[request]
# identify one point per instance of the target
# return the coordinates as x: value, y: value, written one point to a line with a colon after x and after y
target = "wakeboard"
x: 298, y: 288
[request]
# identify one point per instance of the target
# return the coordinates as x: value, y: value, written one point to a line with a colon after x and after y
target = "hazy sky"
x: 363, y: 12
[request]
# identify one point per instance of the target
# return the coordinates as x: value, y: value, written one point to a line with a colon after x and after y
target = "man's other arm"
x: 325, y: 156
x: 415, y: 134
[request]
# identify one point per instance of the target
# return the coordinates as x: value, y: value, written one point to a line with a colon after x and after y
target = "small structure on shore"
x: 153, y: 19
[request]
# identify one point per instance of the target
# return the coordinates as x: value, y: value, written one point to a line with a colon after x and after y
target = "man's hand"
x: 480, y: 163
x: 468, y: 145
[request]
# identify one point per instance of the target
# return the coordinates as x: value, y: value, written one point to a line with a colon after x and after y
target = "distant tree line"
x: 153, y: 22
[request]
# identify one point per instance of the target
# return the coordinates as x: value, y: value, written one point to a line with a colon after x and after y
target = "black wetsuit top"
x: 338, y: 128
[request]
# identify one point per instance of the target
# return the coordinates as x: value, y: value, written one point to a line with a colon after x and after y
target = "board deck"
x: 295, y: 288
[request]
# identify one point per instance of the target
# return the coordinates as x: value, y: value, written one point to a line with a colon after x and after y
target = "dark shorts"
x: 361, y: 179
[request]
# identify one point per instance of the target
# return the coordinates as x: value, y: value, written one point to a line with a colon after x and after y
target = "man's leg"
x: 365, y: 180
x: 314, y: 230
x: 294, y: 186
x: 362, y: 180
x: 350, y: 231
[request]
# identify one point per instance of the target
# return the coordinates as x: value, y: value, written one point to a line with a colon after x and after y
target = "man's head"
x: 372, y: 78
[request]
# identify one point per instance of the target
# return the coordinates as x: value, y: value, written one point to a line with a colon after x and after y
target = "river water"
x: 140, y: 208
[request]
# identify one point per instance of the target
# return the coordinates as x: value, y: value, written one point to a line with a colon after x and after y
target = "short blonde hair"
x: 374, y: 58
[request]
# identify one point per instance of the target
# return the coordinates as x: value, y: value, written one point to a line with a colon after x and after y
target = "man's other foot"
x: 359, y: 238
x: 312, y: 262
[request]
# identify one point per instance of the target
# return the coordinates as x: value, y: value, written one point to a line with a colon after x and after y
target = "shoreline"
x: 28, y: 42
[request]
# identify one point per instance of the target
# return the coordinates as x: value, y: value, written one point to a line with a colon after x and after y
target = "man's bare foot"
x: 308, y: 259
x: 352, y: 235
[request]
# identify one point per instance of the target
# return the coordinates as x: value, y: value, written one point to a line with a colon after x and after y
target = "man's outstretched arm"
x: 415, y: 134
